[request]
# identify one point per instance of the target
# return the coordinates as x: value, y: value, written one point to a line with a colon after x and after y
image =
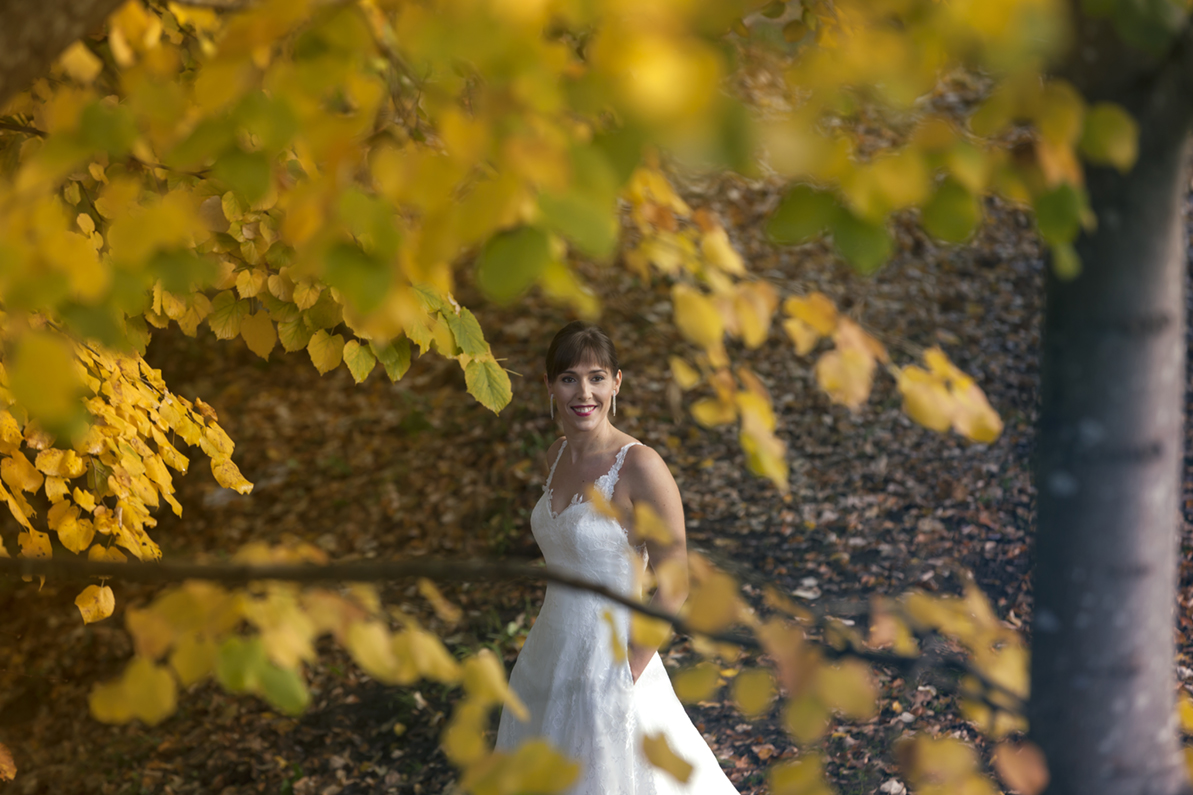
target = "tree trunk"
x: 1108, y: 475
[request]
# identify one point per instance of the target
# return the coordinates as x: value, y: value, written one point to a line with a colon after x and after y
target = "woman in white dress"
x: 592, y: 704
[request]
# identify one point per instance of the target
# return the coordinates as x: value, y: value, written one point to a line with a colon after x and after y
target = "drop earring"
x: 614, y: 404
x: 551, y: 398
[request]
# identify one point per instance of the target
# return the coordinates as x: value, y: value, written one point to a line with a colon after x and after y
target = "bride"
x: 590, y: 702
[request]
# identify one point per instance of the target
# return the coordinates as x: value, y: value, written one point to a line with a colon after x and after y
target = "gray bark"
x: 35, y: 32
x: 1108, y: 467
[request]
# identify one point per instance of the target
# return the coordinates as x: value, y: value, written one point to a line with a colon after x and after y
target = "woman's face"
x: 584, y: 393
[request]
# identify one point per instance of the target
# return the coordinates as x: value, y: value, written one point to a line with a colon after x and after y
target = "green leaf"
x: 590, y: 225
x: 864, y: 244
x: 325, y: 313
x: 360, y: 360
x: 394, y: 357
x: 239, y: 662
x: 1065, y: 262
x: 429, y: 298
x: 1110, y: 137
x: 1058, y: 214
x: 294, y: 334
x: 268, y: 118
x: 952, y: 213
x: 622, y: 148
x: 361, y: 278
x: 802, y: 214
x: 511, y: 261
x: 586, y: 214
x: 284, y: 689
x: 488, y: 383
x: 227, y: 312
x: 108, y: 127
x: 467, y: 331
x: 326, y: 351
x: 247, y: 173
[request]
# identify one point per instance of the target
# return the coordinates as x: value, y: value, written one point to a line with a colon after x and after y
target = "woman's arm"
x: 651, y: 485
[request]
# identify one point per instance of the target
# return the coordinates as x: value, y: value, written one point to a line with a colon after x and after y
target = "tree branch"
x: 22, y: 128
x: 463, y: 571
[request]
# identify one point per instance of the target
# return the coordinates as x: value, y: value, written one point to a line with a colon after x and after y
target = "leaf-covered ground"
x: 878, y: 505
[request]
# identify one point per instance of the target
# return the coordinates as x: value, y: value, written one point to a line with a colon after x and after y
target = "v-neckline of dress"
x: 577, y: 498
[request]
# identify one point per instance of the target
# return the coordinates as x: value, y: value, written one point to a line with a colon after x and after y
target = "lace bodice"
x: 604, y: 484
x: 583, y: 541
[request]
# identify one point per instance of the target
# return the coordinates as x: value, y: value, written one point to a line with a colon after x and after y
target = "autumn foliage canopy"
x: 315, y: 177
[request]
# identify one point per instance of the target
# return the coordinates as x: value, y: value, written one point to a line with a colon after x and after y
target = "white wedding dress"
x: 580, y: 698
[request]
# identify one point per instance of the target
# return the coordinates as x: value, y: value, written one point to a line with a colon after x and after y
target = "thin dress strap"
x: 609, y: 481
x: 551, y: 474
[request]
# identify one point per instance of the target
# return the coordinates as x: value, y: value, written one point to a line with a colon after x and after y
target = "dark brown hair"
x: 576, y: 342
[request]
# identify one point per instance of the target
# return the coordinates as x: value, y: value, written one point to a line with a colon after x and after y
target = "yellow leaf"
x: 697, y: 683
x: 803, y: 335
x: 259, y: 334
x: 251, y: 281
x: 102, y: 554
x: 215, y: 442
x: 684, y: 374
x: 1110, y: 136
x: 360, y: 360
x: 8, y: 768
x: 34, y: 544
x: 649, y: 526
x: 306, y: 293
x: 804, y: 776
x: 74, y: 533
x: 145, y: 691
x: 659, y: 753
x: 61, y: 463
x: 10, y: 433
x: 847, y: 688
x: 484, y: 680
x: 56, y: 489
x: 193, y: 658
x: 720, y: 252
x: 1022, y: 767
x: 817, y: 311
x: 488, y: 382
x: 846, y: 375
x: 620, y: 654
x: 539, y: 767
x: 648, y: 632
x: 713, y: 605
x: 926, y: 399
x: 96, y: 603
x: 806, y: 718
x: 227, y: 474
x: 431, y: 658
x: 326, y: 351
x: 17, y: 472
x: 371, y: 645
x: 711, y: 412
x: 753, y: 690
x: 80, y: 63
x: 754, y: 303
x: 85, y: 499
x: 696, y: 316
x: 974, y: 418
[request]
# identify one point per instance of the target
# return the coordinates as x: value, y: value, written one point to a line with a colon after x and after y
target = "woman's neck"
x: 585, y: 443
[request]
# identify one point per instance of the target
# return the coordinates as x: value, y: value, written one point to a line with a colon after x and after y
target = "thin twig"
x: 22, y: 128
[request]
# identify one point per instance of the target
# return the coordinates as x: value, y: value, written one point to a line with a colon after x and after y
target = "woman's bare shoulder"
x: 643, y: 462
